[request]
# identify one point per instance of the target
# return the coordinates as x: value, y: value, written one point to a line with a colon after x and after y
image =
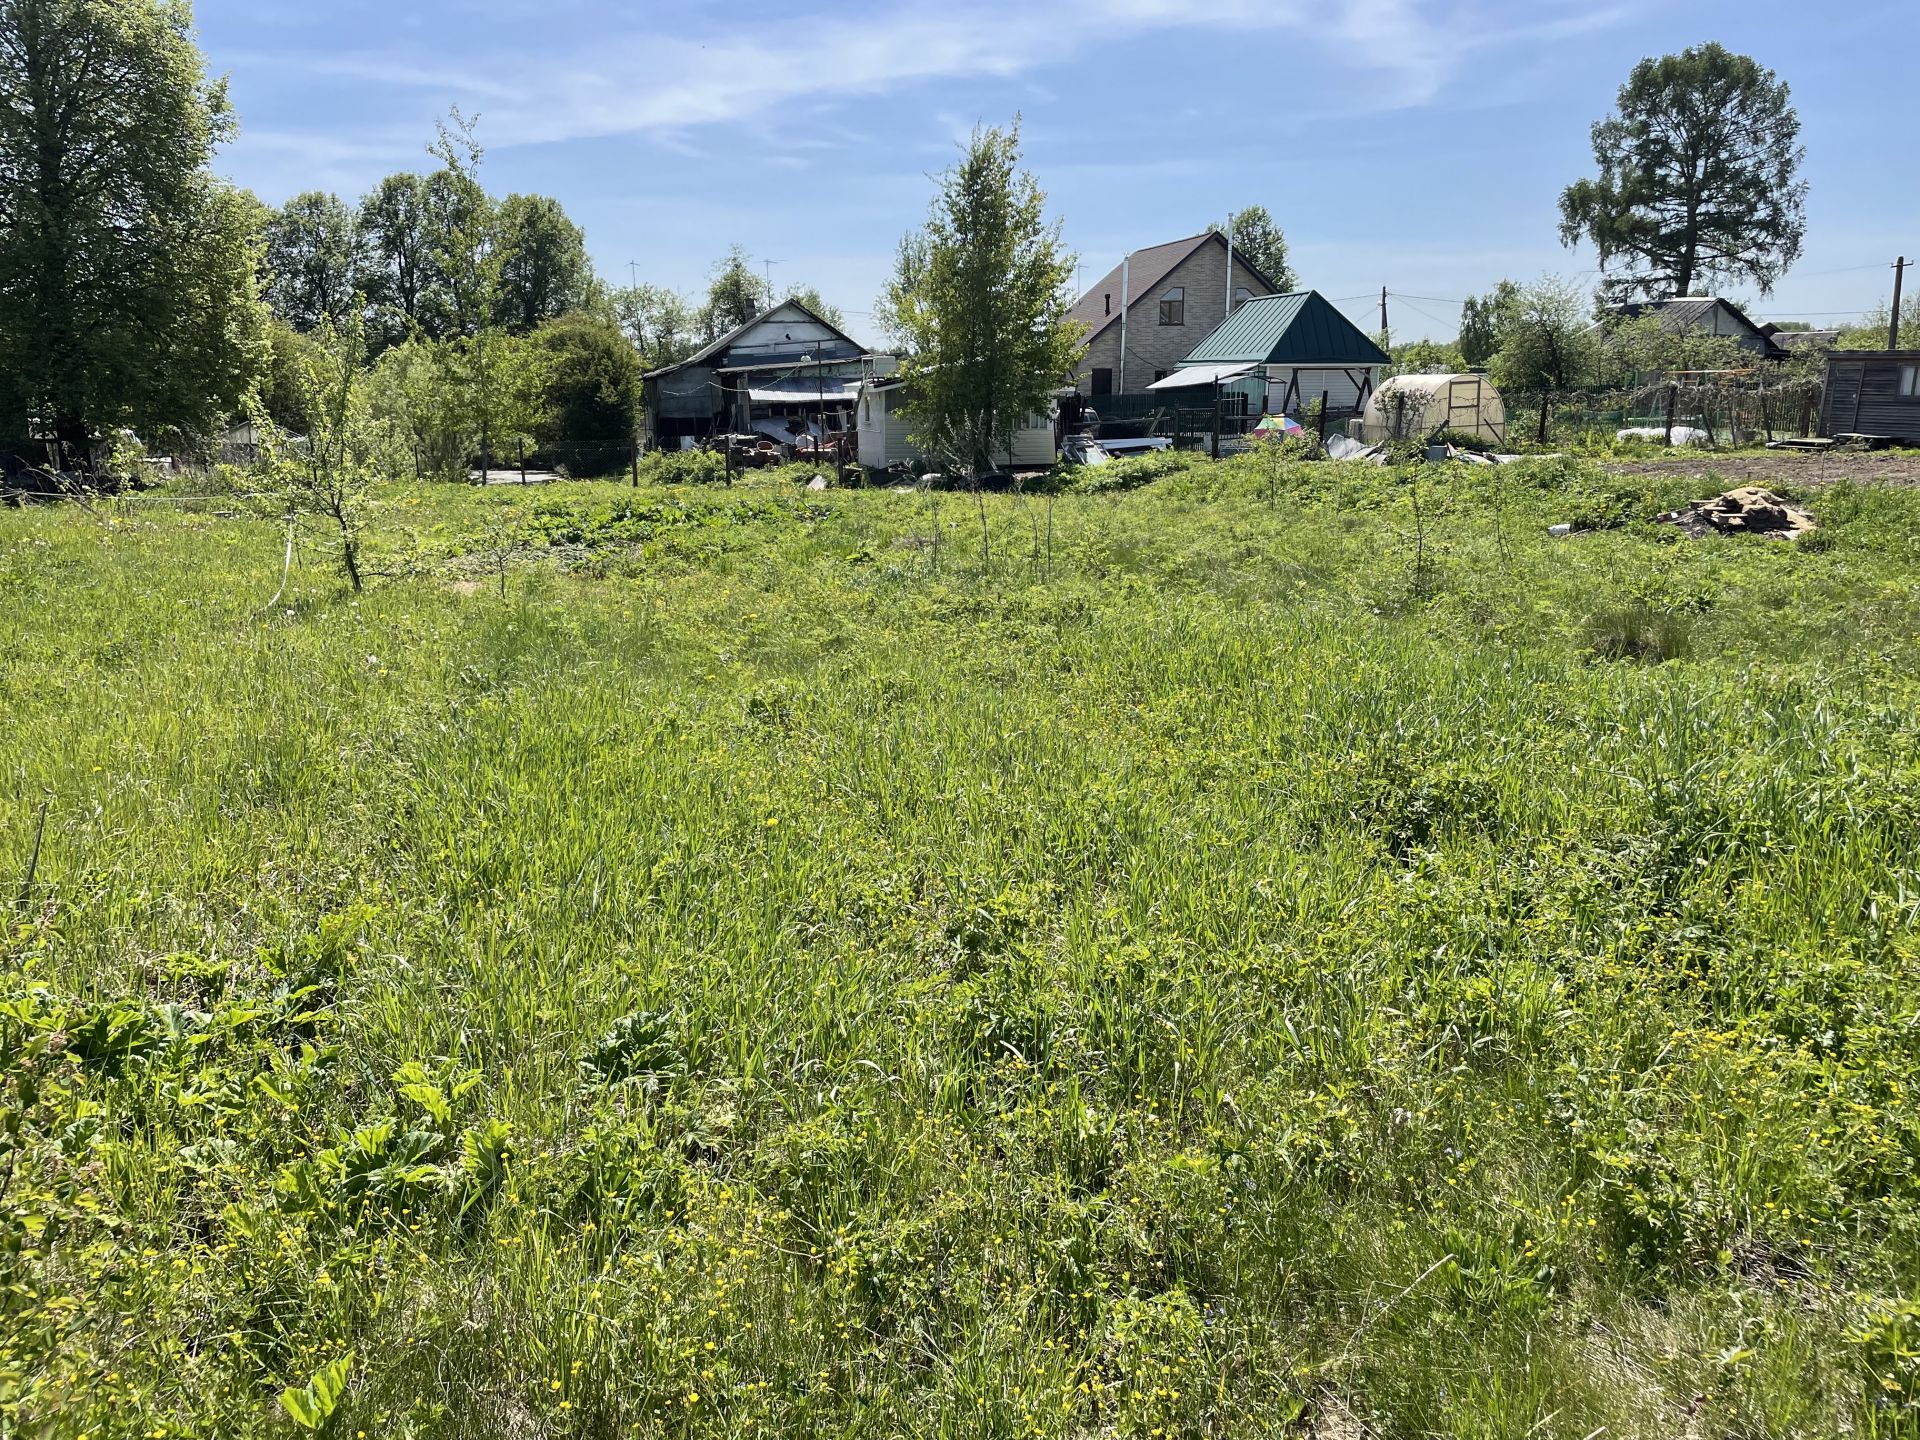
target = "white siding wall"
x: 883, y: 429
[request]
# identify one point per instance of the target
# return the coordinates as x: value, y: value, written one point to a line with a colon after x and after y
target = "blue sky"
x: 1419, y: 144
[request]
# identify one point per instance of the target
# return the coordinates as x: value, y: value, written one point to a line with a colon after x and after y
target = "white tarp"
x: 800, y: 391
x: 1190, y: 376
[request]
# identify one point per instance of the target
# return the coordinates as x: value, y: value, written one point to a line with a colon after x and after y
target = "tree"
x: 1634, y: 350
x: 1483, y: 322
x: 1549, y: 344
x: 810, y: 297
x: 347, y: 448
x: 1871, y: 332
x: 128, y: 273
x: 734, y: 296
x: 1426, y: 357
x: 589, y: 381
x: 413, y: 389
x: 663, y: 324
x: 282, y: 388
x: 979, y: 297
x: 399, y: 267
x: 1258, y: 241
x: 313, y: 260
x: 544, y: 270
x: 1698, y: 178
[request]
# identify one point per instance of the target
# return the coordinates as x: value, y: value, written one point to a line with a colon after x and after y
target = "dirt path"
x: 1786, y: 467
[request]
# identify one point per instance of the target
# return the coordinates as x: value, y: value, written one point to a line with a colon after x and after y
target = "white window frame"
x: 1908, y: 385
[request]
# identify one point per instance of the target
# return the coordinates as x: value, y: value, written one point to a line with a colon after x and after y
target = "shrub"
x: 1465, y: 440
x: 684, y: 467
x: 1137, y: 470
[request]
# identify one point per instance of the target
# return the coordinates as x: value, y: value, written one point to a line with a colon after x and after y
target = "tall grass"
x: 763, y: 974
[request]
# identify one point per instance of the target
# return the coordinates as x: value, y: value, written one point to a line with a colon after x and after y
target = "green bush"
x: 1134, y: 471
x: 683, y: 467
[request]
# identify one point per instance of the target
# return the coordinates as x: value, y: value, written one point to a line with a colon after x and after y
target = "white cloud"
x: 764, y: 68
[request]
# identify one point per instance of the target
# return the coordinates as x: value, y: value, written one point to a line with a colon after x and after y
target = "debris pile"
x: 1749, y: 510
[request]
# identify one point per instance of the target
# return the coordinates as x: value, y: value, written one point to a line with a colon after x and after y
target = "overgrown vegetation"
x: 1196, y: 966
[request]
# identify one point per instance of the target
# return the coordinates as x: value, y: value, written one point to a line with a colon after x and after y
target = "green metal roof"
x: 1298, y: 329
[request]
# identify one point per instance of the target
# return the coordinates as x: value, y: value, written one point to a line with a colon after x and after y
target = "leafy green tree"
x: 399, y: 269
x: 1550, y: 344
x: 128, y: 273
x: 348, y: 446
x: 1259, y: 241
x: 810, y: 297
x: 1483, y: 320
x: 589, y: 382
x: 663, y: 325
x: 282, y: 387
x: 1871, y: 332
x: 544, y: 269
x: 313, y: 259
x: 414, y: 389
x: 1426, y: 357
x: 1699, y: 178
x: 1633, y: 351
x: 735, y: 295
x: 980, y: 298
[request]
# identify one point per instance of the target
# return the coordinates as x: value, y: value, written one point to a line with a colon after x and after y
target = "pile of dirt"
x: 1746, y: 511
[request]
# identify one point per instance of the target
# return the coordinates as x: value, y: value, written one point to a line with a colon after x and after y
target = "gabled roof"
x: 1149, y: 270
x: 1687, y: 312
x: 732, y: 337
x: 1302, y: 328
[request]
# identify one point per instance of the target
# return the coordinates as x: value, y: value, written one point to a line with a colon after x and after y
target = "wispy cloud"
x: 769, y: 66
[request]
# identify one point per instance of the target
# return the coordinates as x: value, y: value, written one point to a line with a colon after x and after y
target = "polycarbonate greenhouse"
x: 1416, y: 407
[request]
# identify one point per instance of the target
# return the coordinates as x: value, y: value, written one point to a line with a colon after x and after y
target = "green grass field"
x: 1277, y: 951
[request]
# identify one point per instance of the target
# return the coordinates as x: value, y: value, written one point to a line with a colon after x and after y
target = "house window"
x: 1910, y: 382
x: 1241, y: 294
x: 1102, y: 381
x: 1173, y: 306
x: 1158, y: 376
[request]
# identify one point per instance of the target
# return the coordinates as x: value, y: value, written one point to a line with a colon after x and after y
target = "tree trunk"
x: 350, y: 557
x: 1546, y: 403
x: 71, y: 434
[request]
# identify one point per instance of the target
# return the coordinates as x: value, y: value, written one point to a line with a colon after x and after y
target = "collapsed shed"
x: 1415, y: 407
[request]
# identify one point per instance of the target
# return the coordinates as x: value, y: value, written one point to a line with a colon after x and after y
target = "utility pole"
x: 633, y: 273
x: 1384, y: 332
x: 768, y: 265
x: 1229, y: 309
x: 1893, y: 325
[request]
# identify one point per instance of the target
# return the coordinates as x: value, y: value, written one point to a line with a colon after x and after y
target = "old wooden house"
x: 785, y: 373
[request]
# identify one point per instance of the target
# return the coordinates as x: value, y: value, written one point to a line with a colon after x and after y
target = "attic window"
x: 1173, y: 306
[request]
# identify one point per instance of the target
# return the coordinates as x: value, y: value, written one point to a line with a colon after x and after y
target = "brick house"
x: 1173, y: 296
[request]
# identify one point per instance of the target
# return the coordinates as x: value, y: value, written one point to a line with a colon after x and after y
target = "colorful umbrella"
x: 1278, y: 427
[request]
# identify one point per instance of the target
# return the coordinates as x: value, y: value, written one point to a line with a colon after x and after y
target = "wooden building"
x: 1872, y: 392
x: 784, y: 373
